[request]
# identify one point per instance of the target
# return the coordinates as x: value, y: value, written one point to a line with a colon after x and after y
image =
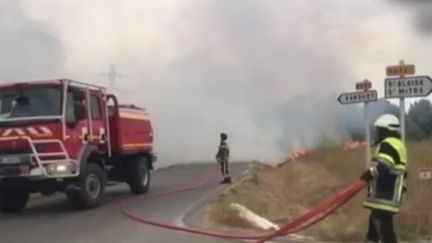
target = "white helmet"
x: 389, y: 122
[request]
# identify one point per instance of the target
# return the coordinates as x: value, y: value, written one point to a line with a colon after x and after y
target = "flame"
x: 353, y: 144
x: 298, y: 153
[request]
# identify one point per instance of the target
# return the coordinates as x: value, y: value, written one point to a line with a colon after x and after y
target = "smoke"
x: 27, y: 49
x: 243, y: 75
x: 262, y: 71
x: 352, y: 119
x: 422, y: 10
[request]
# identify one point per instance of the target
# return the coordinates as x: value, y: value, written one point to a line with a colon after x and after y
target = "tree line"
x: 418, y: 119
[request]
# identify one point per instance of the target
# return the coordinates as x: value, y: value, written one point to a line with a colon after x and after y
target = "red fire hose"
x: 313, y: 216
x: 319, y: 212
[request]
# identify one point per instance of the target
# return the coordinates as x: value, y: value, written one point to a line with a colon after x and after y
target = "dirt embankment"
x: 280, y: 194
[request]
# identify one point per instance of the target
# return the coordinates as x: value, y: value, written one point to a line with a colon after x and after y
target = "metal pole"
x: 402, y: 110
x: 402, y: 119
x: 368, y: 138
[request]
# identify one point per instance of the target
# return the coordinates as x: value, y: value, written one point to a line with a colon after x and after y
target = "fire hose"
x: 313, y: 216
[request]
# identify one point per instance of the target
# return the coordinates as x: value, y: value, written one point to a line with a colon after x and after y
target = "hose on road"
x: 313, y: 216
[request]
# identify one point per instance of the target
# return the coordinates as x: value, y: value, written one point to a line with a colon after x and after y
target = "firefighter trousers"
x: 381, y: 227
x: 224, y: 167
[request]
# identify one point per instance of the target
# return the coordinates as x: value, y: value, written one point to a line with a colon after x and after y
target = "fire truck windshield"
x: 27, y: 102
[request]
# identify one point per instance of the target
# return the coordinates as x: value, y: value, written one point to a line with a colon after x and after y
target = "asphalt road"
x: 52, y: 220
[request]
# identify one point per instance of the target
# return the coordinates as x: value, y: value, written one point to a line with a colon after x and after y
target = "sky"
x: 266, y: 72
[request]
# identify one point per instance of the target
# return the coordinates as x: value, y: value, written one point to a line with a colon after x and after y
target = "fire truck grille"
x: 10, y: 171
x: 15, y: 151
x: 15, y: 162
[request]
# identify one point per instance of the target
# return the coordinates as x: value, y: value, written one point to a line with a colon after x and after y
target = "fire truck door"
x: 76, y: 127
x: 98, y: 131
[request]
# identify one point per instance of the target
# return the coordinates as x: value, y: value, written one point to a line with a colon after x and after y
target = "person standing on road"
x: 222, y: 158
x: 386, y: 180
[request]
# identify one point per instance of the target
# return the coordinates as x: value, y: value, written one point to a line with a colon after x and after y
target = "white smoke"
x: 27, y: 49
x: 421, y: 9
x: 265, y: 72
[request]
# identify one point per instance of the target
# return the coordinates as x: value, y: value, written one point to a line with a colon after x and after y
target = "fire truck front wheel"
x: 13, y: 202
x: 138, y: 174
x: 90, y: 188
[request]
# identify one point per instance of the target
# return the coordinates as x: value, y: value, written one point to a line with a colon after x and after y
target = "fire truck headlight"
x: 60, y: 168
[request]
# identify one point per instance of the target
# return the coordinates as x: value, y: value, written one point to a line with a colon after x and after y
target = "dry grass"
x: 280, y: 194
x: 416, y: 215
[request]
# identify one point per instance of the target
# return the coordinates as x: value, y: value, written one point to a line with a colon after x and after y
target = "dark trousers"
x: 224, y: 167
x: 381, y: 227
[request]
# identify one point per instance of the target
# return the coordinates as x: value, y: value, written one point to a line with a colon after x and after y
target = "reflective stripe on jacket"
x: 386, y: 191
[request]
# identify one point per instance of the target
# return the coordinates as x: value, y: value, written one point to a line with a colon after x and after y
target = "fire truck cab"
x: 72, y: 137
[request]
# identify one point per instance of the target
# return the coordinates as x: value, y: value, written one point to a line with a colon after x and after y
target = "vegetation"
x: 282, y: 193
x: 418, y: 119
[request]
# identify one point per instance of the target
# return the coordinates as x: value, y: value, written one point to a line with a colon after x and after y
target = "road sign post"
x: 363, y: 95
x: 401, y: 70
x: 405, y: 87
x: 402, y: 119
x: 368, y: 139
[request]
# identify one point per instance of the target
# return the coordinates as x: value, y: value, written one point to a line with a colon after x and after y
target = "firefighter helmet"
x: 223, y: 136
x: 389, y: 122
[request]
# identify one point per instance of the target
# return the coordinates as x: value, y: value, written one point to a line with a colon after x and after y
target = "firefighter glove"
x: 366, y: 176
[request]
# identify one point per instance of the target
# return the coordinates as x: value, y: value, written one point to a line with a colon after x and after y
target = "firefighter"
x: 222, y: 157
x: 386, y: 180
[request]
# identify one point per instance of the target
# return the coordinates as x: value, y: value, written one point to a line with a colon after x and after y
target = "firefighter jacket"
x: 387, y: 189
x: 223, y: 152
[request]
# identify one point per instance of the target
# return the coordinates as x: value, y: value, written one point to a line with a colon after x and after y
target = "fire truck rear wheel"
x: 13, y: 202
x: 138, y: 173
x: 91, y: 186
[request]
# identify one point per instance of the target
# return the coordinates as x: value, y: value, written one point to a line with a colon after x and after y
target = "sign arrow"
x: 418, y: 86
x: 358, y: 97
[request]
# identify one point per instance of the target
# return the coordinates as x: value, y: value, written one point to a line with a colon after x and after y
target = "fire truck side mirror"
x: 80, y: 112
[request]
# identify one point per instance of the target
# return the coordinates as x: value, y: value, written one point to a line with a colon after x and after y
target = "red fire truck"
x: 72, y: 137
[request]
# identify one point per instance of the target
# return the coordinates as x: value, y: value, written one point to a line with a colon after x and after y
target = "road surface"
x: 52, y: 220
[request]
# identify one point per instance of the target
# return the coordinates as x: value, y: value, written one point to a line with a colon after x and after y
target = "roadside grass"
x: 280, y: 194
